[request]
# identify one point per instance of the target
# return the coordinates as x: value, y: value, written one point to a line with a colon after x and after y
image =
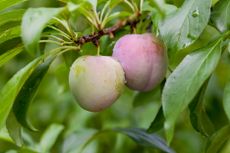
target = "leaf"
x: 220, y: 15
x: 178, y: 2
x: 75, y: 141
x: 218, y: 139
x: 28, y: 92
x: 186, y: 80
x: 198, y: 116
x: 33, y: 22
x: 158, y: 122
x: 26, y: 150
x: 228, y: 48
x: 9, y: 55
x: 12, y: 88
x: 140, y: 136
x: 85, y: 9
x: 10, y: 34
x: 14, y: 15
x: 50, y: 136
x: 143, y: 138
x: 116, y: 15
x: 4, y: 4
x: 14, y: 129
x: 4, y: 135
x: 226, y: 100
x: 114, y: 3
x: 72, y: 6
x: 93, y: 3
x: 181, y: 28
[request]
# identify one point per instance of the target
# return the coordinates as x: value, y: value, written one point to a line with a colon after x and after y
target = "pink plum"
x: 143, y: 58
x: 96, y: 81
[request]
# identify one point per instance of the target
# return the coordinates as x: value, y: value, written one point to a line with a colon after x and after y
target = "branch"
x: 132, y: 21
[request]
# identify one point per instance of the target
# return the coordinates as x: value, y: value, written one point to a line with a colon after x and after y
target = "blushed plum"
x: 96, y: 81
x: 143, y: 58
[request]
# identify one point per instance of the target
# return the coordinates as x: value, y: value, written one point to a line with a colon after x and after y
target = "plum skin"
x: 96, y: 81
x: 144, y: 60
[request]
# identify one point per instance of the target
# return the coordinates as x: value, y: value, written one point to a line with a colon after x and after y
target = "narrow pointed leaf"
x: 9, y: 55
x: 33, y: 22
x: 220, y: 15
x: 26, y: 150
x: 50, y: 136
x: 218, y: 139
x: 158, y: 122
x: 198, y: 116
x: 14, y: 15
x: 28, y: 92
x: 10, y: 34
x: 14, y: 129
x: 4, y: 4
x: 185, y: 81
x: 9, y: 92
x: 93, y: 3
x: 226, y: 100
x: 143, y: 138
x: 116, y: 15
x: 140, y: 136
x: 183, y: 27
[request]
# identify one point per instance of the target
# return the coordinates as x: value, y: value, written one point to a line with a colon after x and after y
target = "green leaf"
x: 186, y: 80
x: 12, y: 16
x: 114, y: 3
x: 28, y: 92
x: 8, y: 3
x: 12, y: 88
x: 158, y: 122
x: 178, y: 2
x: 4, y: 135
x: 85, y: 9
x: 181, y: 28
x: 75, y: 141
x: 218, y: 139
x: 50, y: 136
x: 9, y: 55
x: 26, y: 150
x: 10, y: 34
x: 198, y: 116
x: 93, y: 3
x: 220, y: 15
x: 72, y: 6
x: 33, y: 22
x: 141, y: 137
x: 14, y: 129
x: 226, y: 100
x: 116, y: 15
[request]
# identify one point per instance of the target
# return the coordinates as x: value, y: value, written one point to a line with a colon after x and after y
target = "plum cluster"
x: 138, y: 61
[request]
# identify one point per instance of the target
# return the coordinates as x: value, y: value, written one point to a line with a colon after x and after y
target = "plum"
x: 143, y: 58
x: 96, y: 81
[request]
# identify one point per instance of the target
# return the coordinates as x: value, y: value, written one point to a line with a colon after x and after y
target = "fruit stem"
x: 133, y: 20
x: 98, y: 50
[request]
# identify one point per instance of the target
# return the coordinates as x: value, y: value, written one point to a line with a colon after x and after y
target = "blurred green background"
x: 54, y: 104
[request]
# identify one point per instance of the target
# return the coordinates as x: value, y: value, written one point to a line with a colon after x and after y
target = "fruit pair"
x: 97, y: 81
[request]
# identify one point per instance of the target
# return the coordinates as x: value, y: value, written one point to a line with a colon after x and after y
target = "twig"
x: 108, y: 31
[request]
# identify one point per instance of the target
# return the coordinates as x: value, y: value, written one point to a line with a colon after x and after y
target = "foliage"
x: 189, y: 112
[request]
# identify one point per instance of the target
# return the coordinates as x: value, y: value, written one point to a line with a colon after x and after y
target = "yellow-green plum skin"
x: 96, y: 81
x: 144, y: 60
